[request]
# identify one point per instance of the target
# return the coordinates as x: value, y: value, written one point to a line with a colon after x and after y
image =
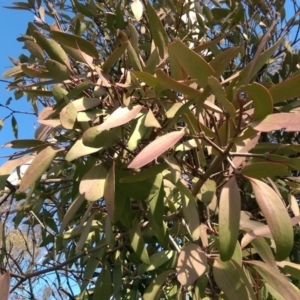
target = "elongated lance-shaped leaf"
x: 120, y: 116
x: 287, y: 121
x: 276, y: 280
x: 137, y: 9
x: 103, y: 288
x: 76, y: 42
x: 54, y: 50
x: 68, y: 116
x: 229, y: 218
x: 276, y: 216
x: 113, y: 58
x: 85, y: 233
x: 155, y: 149
x: 232, y: 280
x: 158, y: 32
x: 4, y: 284
x: 36, y: 169
x: 191, y: 264
x: 109, y: 192
x: 192, y: 63
x: 154, y: 289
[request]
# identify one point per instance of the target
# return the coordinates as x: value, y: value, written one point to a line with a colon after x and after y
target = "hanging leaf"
x: 155, y: 149
x: 265, y: 169
x: 137, y: 9
x: 109, y: 193
x: 158, y: 32
x: 191, y: 264
x: 68, y: 116
x: 229, y: 218
x: 120, y: 116
x: 36, y: 169
x: 57, y: 71
x: 103, y: 288
x: 276, y: 216
x: 14, y: 126
x: 113, y: 58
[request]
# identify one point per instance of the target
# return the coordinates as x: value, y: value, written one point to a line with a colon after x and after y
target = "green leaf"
x: 147, y: 78
x: 158, y: 32
x: 138, y: 245
x: 262, y: 100
x: 34, y: 49
x: 113, y: 58
x: 229, y: 218
x: 286, y: 90
x: 79, y: 149
x: 68, y: 116
x: 154, y: 289
x: 276, y: 216
x: 265, y: 169
x: 86, y: 10
x: 232, y: 280
x: 35, y: 73
x: 156, y: 260
x: 14, y: 71
x: 276, y: 280
x: 263, y: 249
x: 103, y: 288
x: 92, y: 183
x: 14, y: 126
x: 191, y: 62
x: 36, y: 169
x: 57, y: 71
x: 109, y: 193
x: 191, y: 264
x: 53, y: 49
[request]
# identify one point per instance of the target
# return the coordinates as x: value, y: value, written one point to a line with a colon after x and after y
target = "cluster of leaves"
x: 166, y: 162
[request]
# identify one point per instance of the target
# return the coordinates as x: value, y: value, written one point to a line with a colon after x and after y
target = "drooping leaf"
x: 191, y: 264
x: 120, y: 116
x: 103, y: 288
x: 229, y: 218
x: 109, y: 193
x: 113, y: 58
x: 287, y: 121
x: 14, y: 126
x: 39, y: 165
x: 276, y: 216
x: 57, y: 71
x: 156, y: 148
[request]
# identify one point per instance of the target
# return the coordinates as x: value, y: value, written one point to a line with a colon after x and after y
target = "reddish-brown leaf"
x: 156, y: 148
x: 287, y: 121
x: 4, y: 286
x: 120, y: 116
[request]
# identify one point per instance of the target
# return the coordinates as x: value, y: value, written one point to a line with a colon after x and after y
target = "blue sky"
x: 13, y: 23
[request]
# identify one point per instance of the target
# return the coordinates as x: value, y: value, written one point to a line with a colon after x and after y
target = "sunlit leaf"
x: 156, y: 148
x: 68, y: 116
x: 119, y: 117
x: 137, y: 9
x: 192, y: 263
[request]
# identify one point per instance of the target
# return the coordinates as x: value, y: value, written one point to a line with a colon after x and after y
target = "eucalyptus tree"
x: 165, y: 165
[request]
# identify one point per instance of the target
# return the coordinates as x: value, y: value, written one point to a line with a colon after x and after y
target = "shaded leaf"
x: 232, y: 280
x: 113, y: 58
x: 109, y: 193
x: 103, y: 288
x: 191, y: 264
x: 14, y: 126
x: 265, y: 169
x: 229, y: 218
x: 57, y: 71
x: 156, y: 148
x: 158, y: 32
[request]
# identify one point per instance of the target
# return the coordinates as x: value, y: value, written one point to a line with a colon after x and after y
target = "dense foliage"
x: 166, y: 161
